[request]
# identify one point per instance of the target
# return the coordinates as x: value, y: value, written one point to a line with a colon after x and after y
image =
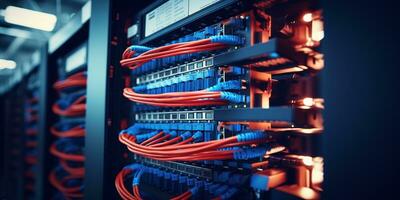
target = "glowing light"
x: 307, y: 17
x: 7, y: 64
x: 308, y: 102
x: 307, y: 161
x: 318, y: 170
x: 30, y: 18
x: 317, y: 30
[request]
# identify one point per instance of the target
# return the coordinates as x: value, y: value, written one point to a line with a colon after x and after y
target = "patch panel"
x: 178, y: 168
x: 175, y: 71
x: 200, y: 115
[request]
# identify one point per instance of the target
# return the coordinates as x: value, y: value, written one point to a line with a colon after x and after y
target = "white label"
x: 76, y: 59
x: 132, y: 30
x: 165, y: 15
x: 197, y: 5
x: 171, y: 12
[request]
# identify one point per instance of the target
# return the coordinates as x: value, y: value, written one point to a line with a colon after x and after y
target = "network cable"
x: 68, y: 176
x: 236, y: 147
x: 146, y: 54
x: 219, y: 191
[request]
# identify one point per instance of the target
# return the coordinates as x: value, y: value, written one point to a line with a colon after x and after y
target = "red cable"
x: 171, y: 50
x: 78, y: 107
x: 205, y: 146
x: 184, y: 195
x: 130, y: 92
x: 175, y: 99
x: 184, y: 104
x: 198, y: 151
x: 66, y: 156
x: 119, y: 184
x: 74, y: 192
x: 73, y: 132
x: 189, y: 140
x: 176, y: 139
x: 153, y: 138
x: 136, y: 192
x: 158, y: 140
x: 77, y: 171
x: 78, y: 79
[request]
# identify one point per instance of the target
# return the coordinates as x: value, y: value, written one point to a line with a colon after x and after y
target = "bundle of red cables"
x: 168, y: 51
x: 187, y: 152
x: 69, y: 192
x: 77, y: 108
x: 69, y: 162
x: 75, y: 80
x: 74, y: 132
x: 126, y: 195
x: 176, y: 99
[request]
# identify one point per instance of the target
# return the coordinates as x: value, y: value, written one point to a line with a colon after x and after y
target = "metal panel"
x: 69, y: 30
x: 247, y: 55
x: 96, y: 131
x: 255, y: 114
x: 46, y: 77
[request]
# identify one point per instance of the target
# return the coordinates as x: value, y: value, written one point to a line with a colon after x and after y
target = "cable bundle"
x: 70, y: 186
x: 68, y: 129
x: 193, y: 187
x: 142, y: 55
x: 71, y: 105
x: 156, y: 145
x: 137, y: 171
x: 215, y: 95
x: 68, y: 176
x: 74, y: 81
x: 146, y: 54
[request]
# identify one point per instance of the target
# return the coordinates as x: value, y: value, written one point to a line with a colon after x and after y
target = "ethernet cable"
x: 76, y: 171
x: 75, y: 80
x: 137, y: 170
x: 68, y: 130
x: 70, y: 107
x: 66, y: 149
x: 146, y: 54
x: 228, y: 148
x: 60, y: 185
x: 215, y: 95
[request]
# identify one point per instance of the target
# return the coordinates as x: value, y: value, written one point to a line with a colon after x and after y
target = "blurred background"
x: 21, y: 43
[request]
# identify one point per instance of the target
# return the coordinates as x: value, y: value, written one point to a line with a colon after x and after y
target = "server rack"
x: 106, y: 110
x: 31, y: 132
x: 13, y: 142
x: 107, y: 105
x: 54, y: 55
x: 19, y: 130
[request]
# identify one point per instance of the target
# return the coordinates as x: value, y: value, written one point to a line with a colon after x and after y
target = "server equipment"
x: 63, y: 129
x: 31, y: 117
x: 225, y: 100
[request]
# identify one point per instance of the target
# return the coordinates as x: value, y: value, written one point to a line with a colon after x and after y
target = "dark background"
x: 360, y: 86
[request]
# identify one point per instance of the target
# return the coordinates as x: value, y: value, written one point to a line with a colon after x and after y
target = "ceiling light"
x: 30, y: 18
x: 7, y: 64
